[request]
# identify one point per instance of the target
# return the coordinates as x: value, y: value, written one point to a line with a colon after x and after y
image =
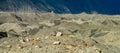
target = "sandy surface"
x: 59, y: 33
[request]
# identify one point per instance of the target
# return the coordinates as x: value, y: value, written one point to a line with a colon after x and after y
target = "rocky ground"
x: 59, y: 33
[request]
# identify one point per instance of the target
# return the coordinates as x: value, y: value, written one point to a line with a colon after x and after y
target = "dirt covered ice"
x: 59, y: 33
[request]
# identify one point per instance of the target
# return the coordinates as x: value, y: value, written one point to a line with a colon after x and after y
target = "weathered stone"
x: 59, y: 34
x: 56, y: 42
x: 9, y: 46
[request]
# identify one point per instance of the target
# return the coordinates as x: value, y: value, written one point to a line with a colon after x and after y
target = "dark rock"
x: 1, y: 23
x: 33, y: 31
x: 3, y: 34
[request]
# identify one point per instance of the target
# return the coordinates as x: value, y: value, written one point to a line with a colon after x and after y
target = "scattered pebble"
x: 90, y: 42
x: 31, y: 39
x: 9, y: 46
x: 37, y: 46
x: 70, y: 46
x: 27, y: 40
x: 46, y: 37
x: 59, y: 34
x: 20, y: 46
x: 72, y: 36
x: 56, y: 42
x: 22, y: 41
x: 38, y: 38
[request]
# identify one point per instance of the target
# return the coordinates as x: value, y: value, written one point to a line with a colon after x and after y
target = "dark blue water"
x: 64, y: 6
